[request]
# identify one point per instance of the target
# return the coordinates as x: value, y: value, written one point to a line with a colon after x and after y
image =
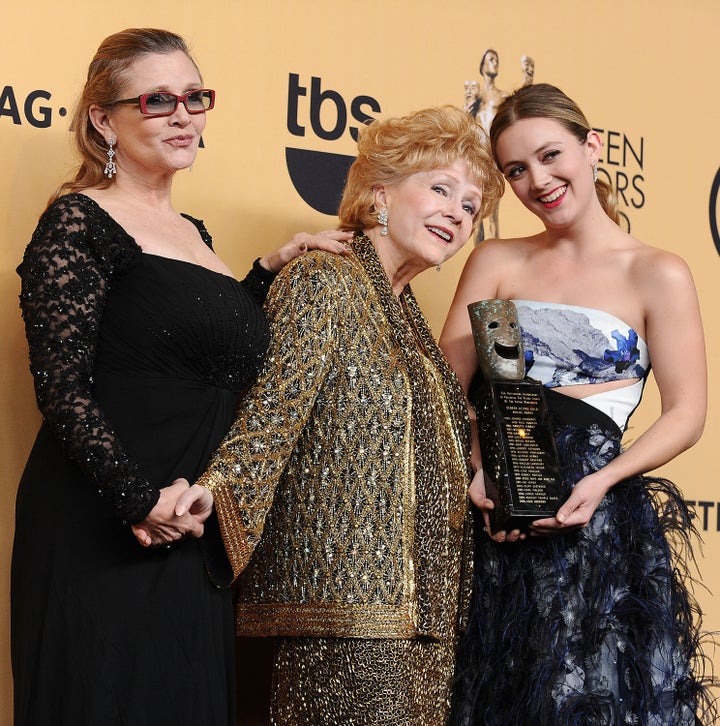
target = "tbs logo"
x: 319, y: 177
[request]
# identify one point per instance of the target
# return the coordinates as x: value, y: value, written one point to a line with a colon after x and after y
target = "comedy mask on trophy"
x: 516, y: 439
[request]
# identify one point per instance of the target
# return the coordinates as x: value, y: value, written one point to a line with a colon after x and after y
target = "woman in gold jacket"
x: 341, y: 488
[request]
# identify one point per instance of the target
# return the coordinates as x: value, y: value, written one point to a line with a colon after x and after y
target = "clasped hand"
x: 180, y: 512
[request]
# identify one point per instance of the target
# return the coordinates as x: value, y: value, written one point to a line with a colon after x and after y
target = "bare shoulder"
x: 488, y: 265
x: 654, y: 266
x: 663, y: 285
x: 503, y: 251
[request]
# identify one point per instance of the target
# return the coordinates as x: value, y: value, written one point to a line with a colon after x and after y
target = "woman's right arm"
x: 64, y: 288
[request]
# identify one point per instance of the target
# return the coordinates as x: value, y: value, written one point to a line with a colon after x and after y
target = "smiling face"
x: 498, y: 340
x: 155, y: 145
x: 431, y: 215
x: 549, y: 170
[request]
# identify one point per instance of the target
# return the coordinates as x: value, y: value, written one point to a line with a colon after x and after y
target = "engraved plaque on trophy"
x: 516, y: 438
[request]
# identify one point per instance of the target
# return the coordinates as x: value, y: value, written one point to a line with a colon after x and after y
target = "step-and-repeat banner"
x: 294, y: 83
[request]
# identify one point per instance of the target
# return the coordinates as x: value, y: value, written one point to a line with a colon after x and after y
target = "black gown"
x: 138, y: 362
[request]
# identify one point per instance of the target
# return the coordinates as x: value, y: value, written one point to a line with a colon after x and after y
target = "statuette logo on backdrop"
x: 319, y: 176
x: 623, y: 156
x: 481, y: 101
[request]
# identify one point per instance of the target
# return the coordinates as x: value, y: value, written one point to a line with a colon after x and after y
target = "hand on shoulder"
x: 331, y: 240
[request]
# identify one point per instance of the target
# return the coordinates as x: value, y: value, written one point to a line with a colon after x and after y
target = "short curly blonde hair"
x: 392, y: 149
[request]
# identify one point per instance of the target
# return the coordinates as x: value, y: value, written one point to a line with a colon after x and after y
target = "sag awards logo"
x: 29, y: 108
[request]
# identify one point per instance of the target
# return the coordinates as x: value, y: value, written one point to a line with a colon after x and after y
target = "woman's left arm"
x: 674, y: 333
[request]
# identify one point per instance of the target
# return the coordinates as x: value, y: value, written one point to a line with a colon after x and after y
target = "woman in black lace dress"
x: 140, y: 343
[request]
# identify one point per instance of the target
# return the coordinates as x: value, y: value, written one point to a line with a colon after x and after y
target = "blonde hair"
x: 107, y: 75
x: 542, y: 100
x: 390, y: 150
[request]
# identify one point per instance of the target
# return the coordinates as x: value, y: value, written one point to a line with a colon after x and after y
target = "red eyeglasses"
x: 165, y: 104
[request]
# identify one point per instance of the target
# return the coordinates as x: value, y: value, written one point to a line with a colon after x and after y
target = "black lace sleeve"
x: 66, y: 270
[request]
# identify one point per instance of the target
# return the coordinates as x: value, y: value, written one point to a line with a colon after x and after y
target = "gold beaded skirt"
x: 362, y: 682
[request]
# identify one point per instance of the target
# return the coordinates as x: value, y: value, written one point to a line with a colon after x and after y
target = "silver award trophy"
x: 516, y: 438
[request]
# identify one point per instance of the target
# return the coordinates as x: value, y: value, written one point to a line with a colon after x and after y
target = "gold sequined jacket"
x: 341, y: 487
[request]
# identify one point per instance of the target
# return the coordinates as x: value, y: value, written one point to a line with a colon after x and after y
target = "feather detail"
x: 597, y: 626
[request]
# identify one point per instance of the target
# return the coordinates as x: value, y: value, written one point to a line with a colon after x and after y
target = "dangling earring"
x: 438, y: 268
x: 594, y: 171
x: 110, y: 167
x: 383, y: 220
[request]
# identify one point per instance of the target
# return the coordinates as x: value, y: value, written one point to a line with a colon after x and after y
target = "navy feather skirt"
x: 597, y: 626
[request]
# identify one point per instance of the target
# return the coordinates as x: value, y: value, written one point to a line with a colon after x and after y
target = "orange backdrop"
x: 299, y: 76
